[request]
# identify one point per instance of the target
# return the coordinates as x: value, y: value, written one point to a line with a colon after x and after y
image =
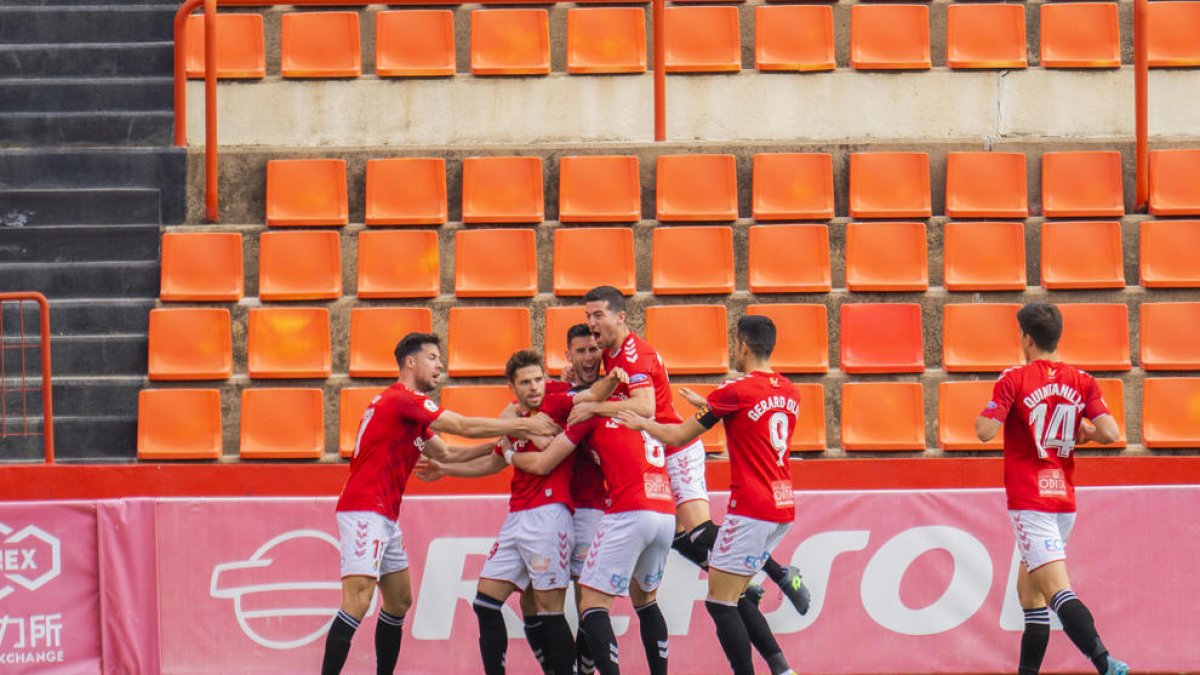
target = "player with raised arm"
x: 1041, y: 407
x: 759, y: 411
x: 396, y: 429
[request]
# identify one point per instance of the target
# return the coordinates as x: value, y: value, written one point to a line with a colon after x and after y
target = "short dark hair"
x: 522, y: 359
x: 607, y: 294
x: 1042, y: 322
x: 758, y: 333
x: 579, y: 330
x: 412, y: 343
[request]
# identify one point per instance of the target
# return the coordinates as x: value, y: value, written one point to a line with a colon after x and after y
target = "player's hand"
x: 1086, y: 429
x: 632, y: 420
x: 541, y: 425
x: 428, y: 470
x: 582, y: 412
x: 568, y: 374
x: 692, y: 397
x: 619, y: 375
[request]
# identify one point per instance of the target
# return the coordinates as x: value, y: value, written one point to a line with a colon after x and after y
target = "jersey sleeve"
x: 1003, y: 395
x: 422, y: 410
x: 724, y: 400
x: 576, y: 433
x: 1093, y: 400
x: 558, y: 407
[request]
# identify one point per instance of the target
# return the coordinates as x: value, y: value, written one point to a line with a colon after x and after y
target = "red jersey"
x: 634, y: 465
x: 559, y: 387
x: 391, y: 436
x: 645, y: 368
x: 530, y: 490
x: 587, y: 482
x: 759, y: 411
x: 1041, y: 405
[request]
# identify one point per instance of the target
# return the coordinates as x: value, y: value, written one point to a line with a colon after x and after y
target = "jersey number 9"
x: 777, y: 427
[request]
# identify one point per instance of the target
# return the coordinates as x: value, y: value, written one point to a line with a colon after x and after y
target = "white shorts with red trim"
x: 533, y: 547
x: 585, y: 522
x: 686, y: 469
x: 1041, y: 536
x: 744, y: 544
x: 371, y: 544
x: 629, y: 546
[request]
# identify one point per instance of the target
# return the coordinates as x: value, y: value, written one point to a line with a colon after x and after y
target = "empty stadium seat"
x: 320, y: 44
x: 499, y: 263
x: 352, y: 403
x: 789, y: 259
x: 889, y: 37
x: 793, y: 37
x: 398, y: 264
x: 714, y: 438
x: 599, y: 189
x: 606, y: 40
x: 306, y: 192
x: 502, y: 190
x: 240, y: 51
x: 374, y: 333
x: 1169, y: 253
x: 1095, y: 336
x: 559, y: 319
x: 288, y: 343
x: 793, y: 185
x: 886, y: 257
x: 702, y: 40
x: 1173, y: 34
x: 1080, y: 35
x: 282, y: 423
x: 1082, y: 254
x: 986, y: 184
x: 201, y: 267
x: 691, y: 339
x: 889, y: 184
x: 587, y: 257
x: 414, y: 43
x: 881, y: 338
x: 984, y: 256
x: 190, y: 343
x: 406, y: 191
x: 802, y: 344
x: 689, y: 260
x: 1082, y: 184
x: 985, y: 36
x: 980, y: 337
x: 883, y: 416
x: 482, y: 338
x: 1170, y: 336
x: 487, y: 400
x: 1175, y: 181
x: 959, y: 403
x: 510, y: 42
x: 179, y: 424
x: 1171, y: 412
x: 810, y: 423
x: 300, y: 265
x: 1113, y: 391
x: 696, y: 187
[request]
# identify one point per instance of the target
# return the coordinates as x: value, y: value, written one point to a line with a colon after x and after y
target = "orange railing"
x: 14, y: 363
x: 1141, y: 77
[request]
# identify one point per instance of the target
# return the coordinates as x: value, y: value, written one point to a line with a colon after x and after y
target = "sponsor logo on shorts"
x: 1052, y: 545
x: 495, y: 547
x: 753, y: 562
x: 652, y: 579
x: 619, y: 583
x: 539, y: 564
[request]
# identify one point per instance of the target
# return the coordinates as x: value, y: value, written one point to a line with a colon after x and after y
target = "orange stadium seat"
x: 406, y: 191
x: 320, y: 44
x: 802, y: 345
x: 886, y: 257
x: 495, y: 263
x: 692, y: 339
x: 482, y: 338
x: 487, y: 400
x: 810, y: 424
x: 352, y: 403
x: 883, y: 416
x: 1082, y: 184
x: 1082, y: 254
x: 579, y: 268
x: 179, y: 424
x: 558, y: 321
x: 689, y: 260
x: 793, y: 38
x: 793, y: 185
x: 510, y: 42
x: 1080, y: 35
x: 306, y: 192
x: 714, y: 438
x: 881, y: 338
x: 1173, y: 34
x: 599, y: 189
x: 1095, y: 336
x: 1171, y: 412
x: 201, y: 267
x: 985, y: 36
x: 889, y: 184
x: 984, y: 256
x: 606, y: 40
x: 789, y: 259
x: 1175, y: 181
x: 703, y: 40
x: 986, y: 184
x: 1169, y: 333
x: 240, y: 51
x: 889, y: 37
x: 696, y: 187
x: 414, y: 43
x: 300, y: 265
x: 288, y: 343
x: 1169, y: 254
x: 281, y: 423
x: 374, y: 333
x: 980, y: 337
x: 190, y: 343
x: 959, y: 403
x: 1113, y: 391
x: 502, y: 190
x: 398, y: 264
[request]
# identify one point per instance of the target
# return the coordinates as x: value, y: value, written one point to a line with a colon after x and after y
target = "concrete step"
x: 87, y: 94
x: 79, y: 243
x: 83, y: 280
x: 34, y: 207
x: 84, y: 24
x: 174, y: 4
x: 89, y: 316
x: 86, y: 128
x: 96, y: 60
x: 95, y: 439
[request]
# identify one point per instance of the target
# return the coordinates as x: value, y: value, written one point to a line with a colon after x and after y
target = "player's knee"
x: 397, y: 604
x: 704, y: 535
x: 488, y: 610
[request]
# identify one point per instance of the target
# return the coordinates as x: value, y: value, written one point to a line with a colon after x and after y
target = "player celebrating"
x: 395, y: 430
x: 1041, y: 406
x: 759, y: 411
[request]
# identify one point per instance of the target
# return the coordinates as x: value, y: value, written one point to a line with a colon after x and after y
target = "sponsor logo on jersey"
x: 657, y: 487
x: 639, y: 377
x: 781, y: 490
x: 430, y: 405
x: 1051, y: 483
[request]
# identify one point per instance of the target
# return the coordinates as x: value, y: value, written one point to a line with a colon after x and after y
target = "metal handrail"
x: 47, y: 398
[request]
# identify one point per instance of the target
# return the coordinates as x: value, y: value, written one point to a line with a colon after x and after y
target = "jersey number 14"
x: 1058, y: 434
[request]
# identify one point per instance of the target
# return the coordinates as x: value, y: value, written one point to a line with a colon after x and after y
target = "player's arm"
x: 542, y: 463
x: 677, y: 435
x: 451, y: 422
x: 601, y: 389
x: 640, y: 402
x: 436, y: 449
x: 986, y: 428
x: 491, y: 463
x: 991, y: 418
x: 1103, y: 429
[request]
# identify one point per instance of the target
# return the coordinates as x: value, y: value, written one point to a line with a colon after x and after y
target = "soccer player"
x: 759, y: 411
x: 396, y: 429
x: 1041, y: 407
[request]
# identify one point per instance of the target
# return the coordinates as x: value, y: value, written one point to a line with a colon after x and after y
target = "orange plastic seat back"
x: 883, y: 416
x: 559, y: 320
x: 691, y: 260
x: 1080, y: 35
x: 374, y: 333
x: 1082, y: 184
x: 179, y: 424
x: 810, y: 423
x: 889, y: 37
x: 691, y: 339
x: 696, y: 187
x: 482, y: 338
x: 714, y: 438
x: 240, y: 51
x: 495, y: 263
x: 703, y: 40
x: 282, y: 423
x: 1082, y: 254
x: 502, y: 190
x: 983, y: 256
x: 320, y: 44
x: 1113, y: 391
x: 1170, y: 336
x: 886, y: 257
x: 606, y: 40
x: 985, y: 36
x: 959, y: 403
x: 352, y: 403
x: 793, y: 186
x: 1175, y: 181
x: 190, y: 344
x: 300, y: 265
x: 1171, y: 412
x: 587, y: 257
x: 398, y: 264
x: 1095, y: 336
x: 306, y: 192
x: 802, y: 345
x: 789, y: 259
x: 1173, y: 34
x: 288, y: 343
x: 487, y: 400
x: 889, y: 184
x: 406, y: 191
x: 793, y: 38
x: 1169, y: 253
x: 881, y: 338
x: 980, y: 337
x: 201, y: 267
x: 414, y: 43
x: 510, y: 42
x: 599, y: 189
x: 986, y: 184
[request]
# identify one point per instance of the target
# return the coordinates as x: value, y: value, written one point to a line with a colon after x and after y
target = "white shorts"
x: 1041, y: 536
x: 744, y: 544
x: 533, y: 547
x: 686, y: 469
x: 628, y: 546
x: 372, y: 545
x: 585, y: 522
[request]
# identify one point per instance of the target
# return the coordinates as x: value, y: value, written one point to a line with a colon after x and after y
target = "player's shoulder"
x: 1012, y: 373
x: 402, y: 399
